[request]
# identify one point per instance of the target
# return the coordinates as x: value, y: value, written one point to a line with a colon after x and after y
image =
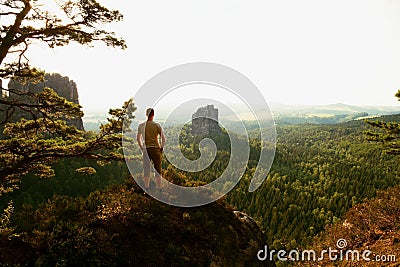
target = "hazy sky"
x: 295, y: 51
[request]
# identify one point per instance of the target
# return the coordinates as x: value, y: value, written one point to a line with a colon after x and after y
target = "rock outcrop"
x: 63, y: 86
x: 123, y: 227
x: 205, y: 121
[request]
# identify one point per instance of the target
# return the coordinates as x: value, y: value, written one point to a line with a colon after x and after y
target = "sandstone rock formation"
x: 205, y: 121
x: 63, y: 86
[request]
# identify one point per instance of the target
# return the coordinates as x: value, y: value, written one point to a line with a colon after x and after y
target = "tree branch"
x: 8, y: 40
x: 8, y: 13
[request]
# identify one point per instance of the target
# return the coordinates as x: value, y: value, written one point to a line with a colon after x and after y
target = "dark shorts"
x: 152, y: 154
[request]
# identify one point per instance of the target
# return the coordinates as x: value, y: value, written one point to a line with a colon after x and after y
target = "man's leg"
x: 156, y: 157
x: 146, y: 169
x: 146, y: 182
x: 158, y: 182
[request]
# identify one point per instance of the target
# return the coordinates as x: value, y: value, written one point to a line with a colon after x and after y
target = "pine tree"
x: 388, y: 135
x: 34, y: 144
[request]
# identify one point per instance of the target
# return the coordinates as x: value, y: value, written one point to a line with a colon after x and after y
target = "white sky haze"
x: 295, y: 51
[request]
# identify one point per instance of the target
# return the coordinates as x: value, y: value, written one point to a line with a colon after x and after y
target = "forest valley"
x: 319, y: 173
x: 68, y: 199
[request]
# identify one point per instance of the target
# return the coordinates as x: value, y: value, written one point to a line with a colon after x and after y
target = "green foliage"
x: 86, y: 170
x: 21, y: 91
x: 61, y: 233
x: 34, y: 190
x: 40, y: 135
x: 373, y: 225
x: 6, y: 229
x: 45, y: 103
x: 319, y: 172
x: 122, y: 227
x: 388, y: 134
x: 32, y: 146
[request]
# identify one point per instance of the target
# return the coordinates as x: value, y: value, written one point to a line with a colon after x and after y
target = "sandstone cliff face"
x: 63, y: 86
x: 205, y: 121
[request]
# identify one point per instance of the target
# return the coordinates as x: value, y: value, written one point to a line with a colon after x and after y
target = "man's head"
x: 150, y: 113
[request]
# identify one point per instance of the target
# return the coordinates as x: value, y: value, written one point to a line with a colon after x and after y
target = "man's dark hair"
x: 151, y: 113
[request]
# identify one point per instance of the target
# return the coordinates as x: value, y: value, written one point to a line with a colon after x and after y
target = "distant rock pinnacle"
x: 205, y: 121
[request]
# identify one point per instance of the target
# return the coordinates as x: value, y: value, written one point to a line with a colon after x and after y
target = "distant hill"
x: 333, y: 109
x: 328, y: 114
x: 283, y: 114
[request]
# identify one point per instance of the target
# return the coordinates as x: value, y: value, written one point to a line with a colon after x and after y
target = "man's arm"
x: 139, y: 140
x: 162, y: 140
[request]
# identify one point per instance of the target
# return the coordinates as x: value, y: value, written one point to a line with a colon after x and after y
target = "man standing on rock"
x: 148, y: 140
